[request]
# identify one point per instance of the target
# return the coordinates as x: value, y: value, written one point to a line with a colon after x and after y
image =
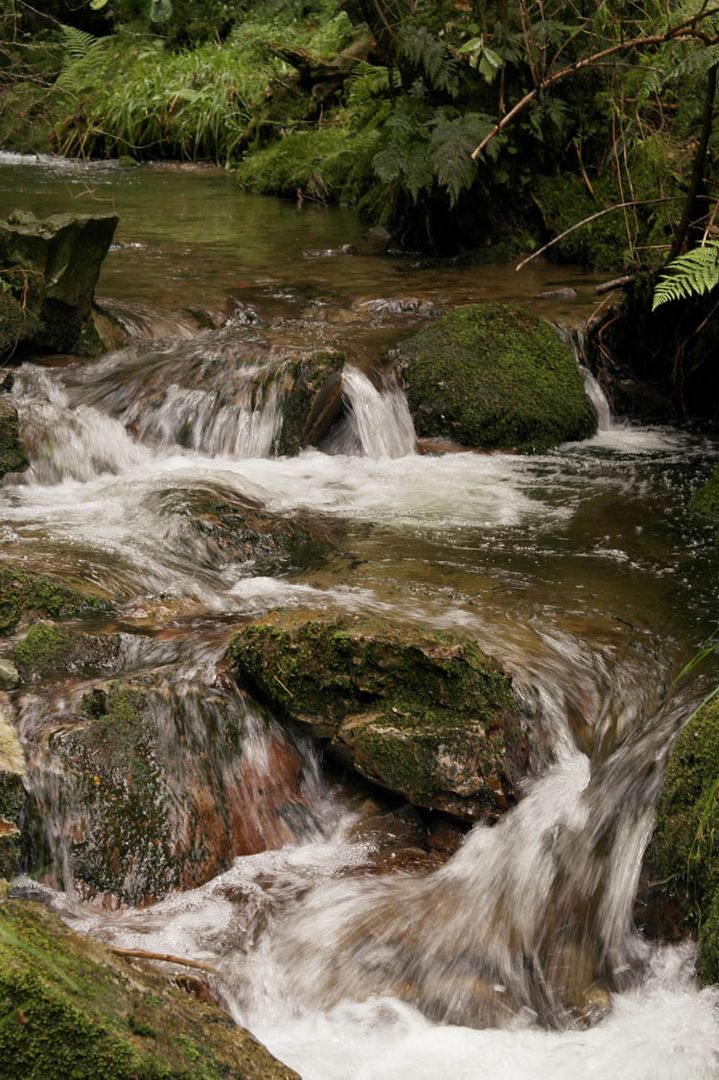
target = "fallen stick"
x: 167, y: 958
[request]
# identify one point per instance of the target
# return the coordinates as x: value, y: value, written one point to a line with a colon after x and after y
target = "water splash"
x: 381, y: 420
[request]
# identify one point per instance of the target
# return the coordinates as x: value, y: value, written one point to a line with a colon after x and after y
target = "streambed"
x: 579, y: 570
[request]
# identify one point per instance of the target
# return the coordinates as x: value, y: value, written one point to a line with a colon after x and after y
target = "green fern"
x: 692, y: 274
x: 428, y: 54
x: 84, y: 58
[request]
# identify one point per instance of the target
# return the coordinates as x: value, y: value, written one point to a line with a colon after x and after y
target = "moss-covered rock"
x: 496, y: 377
x: 52, y: 265
x: 422, y: 714
x: 13, y: 456
x: 12, y: 796
x: 565, y: 200
x: 158, y: 792
x: 684, y: 852
x: 24, y: 593
x: 69, y: 1008
x: 706, y: 499
x: 48, y: 649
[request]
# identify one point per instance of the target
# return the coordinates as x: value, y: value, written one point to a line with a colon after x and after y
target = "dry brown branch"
x: 166, y: 958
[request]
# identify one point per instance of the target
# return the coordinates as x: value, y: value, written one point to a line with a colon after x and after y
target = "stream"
x: 579, y: 570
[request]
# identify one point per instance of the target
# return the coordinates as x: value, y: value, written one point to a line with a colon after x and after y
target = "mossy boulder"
x: 23, y: 593
x: 49, y: 650
x: 422, y: 714
x: 706, y: 499
x: 70, y: 1008
x: 684, y: 852
x: 494, y: 377
x: 50, y: 267
x: 158, y: 792
x: 12, y: 796
x: 224, y: 527
x: 13, y: 455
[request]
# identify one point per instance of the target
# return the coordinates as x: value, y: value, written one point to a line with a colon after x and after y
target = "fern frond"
x: 429, y: 55
x: 85, y: 58
x: 692, y: 274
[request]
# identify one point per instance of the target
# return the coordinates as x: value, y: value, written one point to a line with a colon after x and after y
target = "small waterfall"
x: 380, y: 419
x: 66, y: 443
x: 574, y: 337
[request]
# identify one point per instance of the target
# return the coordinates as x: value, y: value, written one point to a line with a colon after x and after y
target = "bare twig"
x: 167, y: 958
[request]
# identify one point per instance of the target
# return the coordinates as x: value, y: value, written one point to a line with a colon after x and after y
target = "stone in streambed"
x: 49, y: 650
x: 12, y: 795
x: 49, y: 268
x: 682, y: 858
x: 494, y: 377
x: 426, y: 715
x: 158, y: 792
x: 70, y: 1008
x: 13, y: 455
x: 24, y: 593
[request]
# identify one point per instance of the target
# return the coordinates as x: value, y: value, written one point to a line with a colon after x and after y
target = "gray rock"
x: 9, y: 675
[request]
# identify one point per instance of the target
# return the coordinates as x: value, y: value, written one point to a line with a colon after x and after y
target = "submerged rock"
x: 225, y: 527
x: 69, y: 1007
x: 25, y: 593
x: 423, y: 714
x: 495, y: 377
x: 162, y: 786
x: 13, y: 456
x: 682, y: 857
x: 54, y: 264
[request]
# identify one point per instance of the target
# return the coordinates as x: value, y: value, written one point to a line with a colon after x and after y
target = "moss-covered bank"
x: 496, y: 377
x: 69, y: 1008
x: 684, y: 853
x: 423, y: 714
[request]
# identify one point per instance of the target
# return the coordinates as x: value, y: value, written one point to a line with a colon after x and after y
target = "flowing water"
x: 579, y: 570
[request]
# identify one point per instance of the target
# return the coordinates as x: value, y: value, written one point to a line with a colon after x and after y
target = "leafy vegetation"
x: 692, y: 274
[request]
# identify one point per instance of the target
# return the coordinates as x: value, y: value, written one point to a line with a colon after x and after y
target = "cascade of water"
x: 574, y: 337
x: 380, y: 419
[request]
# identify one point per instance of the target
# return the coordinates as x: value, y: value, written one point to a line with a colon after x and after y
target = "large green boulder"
x: 24, y: 593
x: 494, y: 377
x: 48, y: 272
x: 423, y: 714
x: 13, y: 456
x: 69, y: 1008
x: 684, y: 852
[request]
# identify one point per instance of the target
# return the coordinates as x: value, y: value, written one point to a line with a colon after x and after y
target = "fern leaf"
x: 428, y: 54
x: 692, y: 274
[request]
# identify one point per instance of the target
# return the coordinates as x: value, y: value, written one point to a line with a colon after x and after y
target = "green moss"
x: 423, y: 714
x: 685, y: 848
x: 23, y: 593
x: 69, y: 1009
x: 494, y: 376
x: 328, y: 163
x: 48, y: 650
x: 706, y: 499
x: 564, y: 201
x: 13, y: 456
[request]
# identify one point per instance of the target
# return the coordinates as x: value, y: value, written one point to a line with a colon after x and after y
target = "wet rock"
x: 426, y: 715
x: 13, y: 456
x: 69, y: 1007
x: 681, y: 864
x: 9, y: 675
x: 49, y: 650
x: 374, y: 241
x: 495, y: 377
x: 55, y: 263
x: 225, y: 527
x: 557, y: 294
x: 23, y: 593
x: 12, y: 796
x: 244, y: 394
x: 163, y: 785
